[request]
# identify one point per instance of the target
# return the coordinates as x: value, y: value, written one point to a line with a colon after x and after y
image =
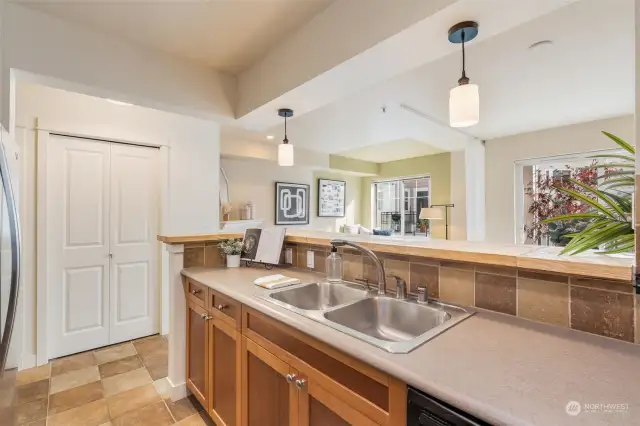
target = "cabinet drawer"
x: 225, y: 308
x: 197, y: 293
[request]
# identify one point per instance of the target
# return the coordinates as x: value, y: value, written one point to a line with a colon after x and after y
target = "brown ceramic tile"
x: 125, y: 381
x: 132, y: 399
x: 534, y: 275
x: 34, y: 374
x: 543, y: 301
x: 213, y: 257
x: 193, y: 257
x: 425, y: 275
x: 352, y: 268
x: 457, y: 265
x: 158, y: 371
x: 92, y: 414
x: 369, y: 270
x: 602, y: 312
x: 302, y: 256
x: 622, y: 286
x: 76, y: 397
x: 398, y: 269
x: 497, y: 270
x: 496, y: 292
x: 184, y: 408
x: 200, y: 419
x: 30, y: 412
x: 320, y: 261
x: 120, y: 366
x: 456, y: 286
x: 197, y: 244
x: 74, y: 379
x: 151, y: 415
x: 113, y: 353
x: 72, y: 363
x: 31, y: 392
x: 151, y: 348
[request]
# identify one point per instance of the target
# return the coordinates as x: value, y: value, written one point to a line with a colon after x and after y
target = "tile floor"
x: 120, y: 385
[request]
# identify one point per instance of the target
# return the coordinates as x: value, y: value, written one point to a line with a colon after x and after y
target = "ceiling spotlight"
x: 269, y: 137
x: 464, y: 99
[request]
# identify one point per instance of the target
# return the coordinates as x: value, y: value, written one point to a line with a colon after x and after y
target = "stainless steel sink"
x: 389, y: 319
x: 319, y: 296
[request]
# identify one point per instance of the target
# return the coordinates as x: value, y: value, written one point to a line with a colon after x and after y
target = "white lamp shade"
x: 285, y: 154
x: 464, y: 105
x: 431, y: 213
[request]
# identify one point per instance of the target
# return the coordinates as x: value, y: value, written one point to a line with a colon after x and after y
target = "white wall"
x: 190, y: 161
x: 254, y: 180
x: 502, y: 153
x: 458, y: 219
x: 101, y: 65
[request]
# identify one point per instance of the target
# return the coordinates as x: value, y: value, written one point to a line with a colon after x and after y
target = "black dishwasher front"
x: 423, y: 410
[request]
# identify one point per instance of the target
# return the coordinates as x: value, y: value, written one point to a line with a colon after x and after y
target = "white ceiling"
x: 228, y: 35
x: 391, y: 151
x: 586, y: 74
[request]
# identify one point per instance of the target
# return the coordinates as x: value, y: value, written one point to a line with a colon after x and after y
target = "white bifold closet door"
x: 102, y: 255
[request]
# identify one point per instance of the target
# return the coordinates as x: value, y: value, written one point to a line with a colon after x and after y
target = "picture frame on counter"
x: 292, y: 203
x: 331, y: 198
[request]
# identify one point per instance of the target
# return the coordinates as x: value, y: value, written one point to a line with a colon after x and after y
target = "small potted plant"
x: 233, y: 249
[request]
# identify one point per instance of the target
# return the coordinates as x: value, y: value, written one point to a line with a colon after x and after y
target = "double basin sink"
x: 395, y: 325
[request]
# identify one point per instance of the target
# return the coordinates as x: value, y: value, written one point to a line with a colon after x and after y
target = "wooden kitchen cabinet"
x: 197, y: 352
x: 224, y: 373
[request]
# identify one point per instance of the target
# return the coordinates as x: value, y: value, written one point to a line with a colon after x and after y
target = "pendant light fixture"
x: 285, y: 149
x: 464, y: 99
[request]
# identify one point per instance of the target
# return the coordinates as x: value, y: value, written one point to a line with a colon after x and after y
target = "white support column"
x: 177, y: 323
x: 475, y: 190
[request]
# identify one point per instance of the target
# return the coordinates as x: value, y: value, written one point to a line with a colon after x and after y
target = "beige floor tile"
x: 92, y: 414
x: 184, y: 408
x: 163, y: 387
x: 34, y: 374
x: 30, y: 412
x: 120, y: 366
x: 132, y: 399
x: 126, y: 381
x: 200, y: 419
x: 114, y: 353
x: 158, y: 371
x: 31, y: 392
x: 76, y: 397
x: 151, y: 415
x: 74, y: 379
x: 41, y: 422
x: 72, y: 363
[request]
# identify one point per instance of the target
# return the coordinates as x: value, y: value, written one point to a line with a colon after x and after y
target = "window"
x: 398, y: 202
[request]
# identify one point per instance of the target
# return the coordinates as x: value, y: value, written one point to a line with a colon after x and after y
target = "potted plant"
x: 233, y: 249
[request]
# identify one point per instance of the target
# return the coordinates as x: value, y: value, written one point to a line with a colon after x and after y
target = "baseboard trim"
x: 178, y: 391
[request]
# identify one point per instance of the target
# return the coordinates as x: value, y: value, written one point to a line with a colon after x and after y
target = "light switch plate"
x: 310, y: 258
x: 288, y: 255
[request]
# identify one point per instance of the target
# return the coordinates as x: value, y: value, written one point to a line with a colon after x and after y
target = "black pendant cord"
x: 285, y: 140
x: 463, y: 79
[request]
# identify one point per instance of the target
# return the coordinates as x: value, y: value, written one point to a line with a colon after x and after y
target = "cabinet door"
x: 225, y: 377
x: 197, y: 350
x: 269, y: 397
x: 319, y: 406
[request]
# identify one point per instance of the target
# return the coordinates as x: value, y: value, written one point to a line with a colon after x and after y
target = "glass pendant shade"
x: 285, y: 154
x: 464, y: 105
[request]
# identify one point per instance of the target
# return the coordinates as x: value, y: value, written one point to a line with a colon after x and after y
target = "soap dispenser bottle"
x: 334, y: 266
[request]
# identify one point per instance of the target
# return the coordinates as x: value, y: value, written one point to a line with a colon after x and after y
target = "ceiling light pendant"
x: 285, y: 149
x: 464, y: 99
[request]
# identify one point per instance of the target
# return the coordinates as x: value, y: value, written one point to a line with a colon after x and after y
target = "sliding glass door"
x: 398, y: 202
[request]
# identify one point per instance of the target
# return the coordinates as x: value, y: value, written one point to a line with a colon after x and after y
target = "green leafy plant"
x: 609, y: 204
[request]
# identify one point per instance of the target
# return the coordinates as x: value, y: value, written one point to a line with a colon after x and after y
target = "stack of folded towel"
x: 275, y: 281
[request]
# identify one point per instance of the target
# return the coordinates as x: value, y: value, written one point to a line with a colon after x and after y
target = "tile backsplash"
x: 604, y: 307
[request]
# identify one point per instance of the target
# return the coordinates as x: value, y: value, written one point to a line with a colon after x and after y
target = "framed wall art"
x: 331, y: 198
x: 292, y: 203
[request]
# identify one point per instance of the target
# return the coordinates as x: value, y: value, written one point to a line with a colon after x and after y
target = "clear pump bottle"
x: 334, y: 266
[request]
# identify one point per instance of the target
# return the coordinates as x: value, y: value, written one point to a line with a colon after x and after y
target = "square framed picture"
x: 292, y: 203
x: 331, y: 198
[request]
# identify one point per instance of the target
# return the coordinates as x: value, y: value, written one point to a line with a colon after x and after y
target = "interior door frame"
x: 42, y: 303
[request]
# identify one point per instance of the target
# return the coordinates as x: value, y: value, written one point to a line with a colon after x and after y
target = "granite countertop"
x: 502, y: 369
x: 547, y: 259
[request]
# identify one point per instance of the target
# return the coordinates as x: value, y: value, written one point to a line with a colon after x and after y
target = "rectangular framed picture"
x: 331, y: 198
x: 292, y: 203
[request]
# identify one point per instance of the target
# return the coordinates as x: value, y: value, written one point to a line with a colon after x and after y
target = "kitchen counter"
x: 545, y: 259
x: 504, y: 370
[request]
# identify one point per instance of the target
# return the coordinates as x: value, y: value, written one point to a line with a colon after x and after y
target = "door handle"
x: 194, y: 292
x: 205, y: 317
x: 300, y: 383
x: 290, y: 378
x: 222, y: 307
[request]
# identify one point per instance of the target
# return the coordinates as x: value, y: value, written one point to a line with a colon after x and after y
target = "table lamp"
x: 433, y: 213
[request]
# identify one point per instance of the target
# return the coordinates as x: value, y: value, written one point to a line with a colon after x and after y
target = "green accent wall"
x: 437, y: 166
x: 337, y: 163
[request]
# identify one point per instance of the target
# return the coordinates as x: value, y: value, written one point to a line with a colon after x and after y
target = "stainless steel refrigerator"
x: 9, y: 276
